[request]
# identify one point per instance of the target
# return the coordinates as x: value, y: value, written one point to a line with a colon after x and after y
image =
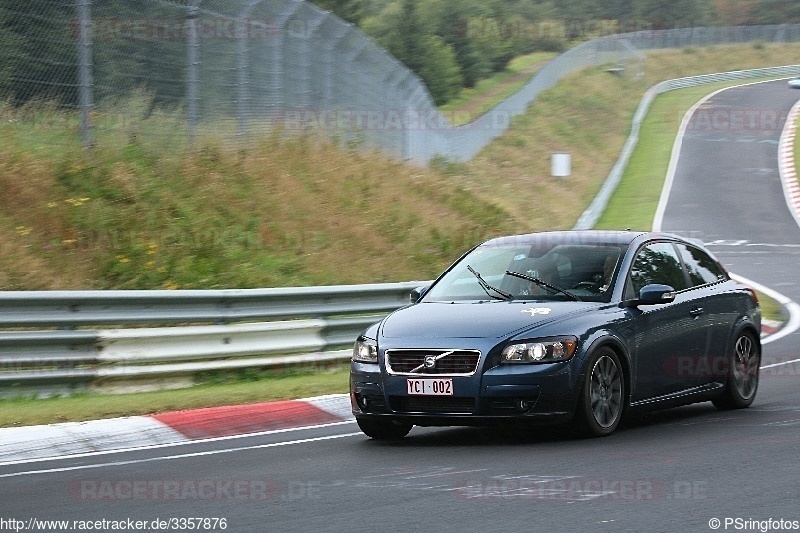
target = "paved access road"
x: 678, y: 470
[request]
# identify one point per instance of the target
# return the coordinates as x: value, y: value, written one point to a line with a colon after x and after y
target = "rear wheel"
x: 602, y: 399
x: 741, y: 382
x: 380, y: 429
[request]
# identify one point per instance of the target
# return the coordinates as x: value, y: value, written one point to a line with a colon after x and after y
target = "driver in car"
x: 608, y: 269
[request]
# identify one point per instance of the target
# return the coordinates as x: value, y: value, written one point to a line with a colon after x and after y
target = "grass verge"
x: 475, y: 101
x: 234, y: 390
x: 771, y: 309
x: 634, y: 203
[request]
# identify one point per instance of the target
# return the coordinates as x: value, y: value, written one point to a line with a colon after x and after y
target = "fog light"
x: 362, y: 402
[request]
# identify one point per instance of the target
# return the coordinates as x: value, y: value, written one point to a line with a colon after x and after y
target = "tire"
x: 741, y: 383
x: 380, y: 429
x: 602, y: 399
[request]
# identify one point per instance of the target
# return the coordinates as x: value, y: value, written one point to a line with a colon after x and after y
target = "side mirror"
x: 654, y: 294
x: 417, y: 294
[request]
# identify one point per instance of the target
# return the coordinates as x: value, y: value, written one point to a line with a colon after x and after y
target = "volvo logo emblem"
x: 429, y: 362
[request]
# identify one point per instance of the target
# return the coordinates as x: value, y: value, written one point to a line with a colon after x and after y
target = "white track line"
x: 676, y: 149
x: 786, y: 167
x: 180, y: 456
x: 790, y: 305
x: 171, y: 444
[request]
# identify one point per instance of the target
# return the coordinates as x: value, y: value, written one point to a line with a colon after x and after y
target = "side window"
x: 700, y: 266
x: 657, y: 263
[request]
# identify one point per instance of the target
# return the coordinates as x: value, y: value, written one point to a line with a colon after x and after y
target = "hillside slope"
x: 141, y: 213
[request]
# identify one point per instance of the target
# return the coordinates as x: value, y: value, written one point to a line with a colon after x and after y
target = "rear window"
x: 700, y: 266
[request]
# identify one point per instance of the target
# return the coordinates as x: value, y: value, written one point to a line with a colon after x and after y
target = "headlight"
x: 540, y: 351
x: 365, y: 351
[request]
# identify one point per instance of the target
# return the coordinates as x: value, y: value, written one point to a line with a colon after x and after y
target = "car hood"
x: 476, y: 319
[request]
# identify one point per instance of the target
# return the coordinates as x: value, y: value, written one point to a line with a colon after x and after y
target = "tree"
x: 440, y: 71
x: 399, y: 29
x: 148, y: 57
x: 735, y: 12
x: 352, y: 11
x: 38, y: 53
x: 10, y: 44
x: 478, y: 31
x: 778, y: 12
x: 675, y: 13
x: 406, y: 34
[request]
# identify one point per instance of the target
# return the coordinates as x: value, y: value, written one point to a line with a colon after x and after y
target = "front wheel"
x: 741, y: 383
x: 602, y: 398
x: 380, y: 429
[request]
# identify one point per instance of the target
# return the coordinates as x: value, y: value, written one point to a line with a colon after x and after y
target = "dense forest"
x: 450, y: 44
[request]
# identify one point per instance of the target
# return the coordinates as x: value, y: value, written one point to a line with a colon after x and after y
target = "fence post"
x: 242, y: 79
x: 85, y: 96
x: 243, y: 68
x: 192, y: 63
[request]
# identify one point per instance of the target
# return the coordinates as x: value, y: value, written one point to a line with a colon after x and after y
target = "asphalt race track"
x: 679, y: 470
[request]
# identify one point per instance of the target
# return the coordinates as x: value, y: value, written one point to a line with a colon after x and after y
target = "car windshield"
x: 585, y: 271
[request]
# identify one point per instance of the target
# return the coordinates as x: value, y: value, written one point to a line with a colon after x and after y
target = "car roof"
x: 572, y: 237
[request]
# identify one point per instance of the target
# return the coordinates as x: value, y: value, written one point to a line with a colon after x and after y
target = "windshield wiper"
x: 542, y: 284
x: 501, y: 295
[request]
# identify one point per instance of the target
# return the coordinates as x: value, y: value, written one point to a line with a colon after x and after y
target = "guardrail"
x: 210, y: 330
x: 592, y: 214
x: 222, y: 329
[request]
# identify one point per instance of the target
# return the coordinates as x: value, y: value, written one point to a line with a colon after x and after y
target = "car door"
x: 669, y: 338
x: 706, y: 275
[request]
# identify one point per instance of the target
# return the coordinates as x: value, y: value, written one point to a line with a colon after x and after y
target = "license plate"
x: 429, y: 387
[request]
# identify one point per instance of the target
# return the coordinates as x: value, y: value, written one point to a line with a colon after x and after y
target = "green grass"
x: 633, y: 204
x: 771, y: 309
x: 475, y: 101
x: 142, y: 213
x: 236, y: 390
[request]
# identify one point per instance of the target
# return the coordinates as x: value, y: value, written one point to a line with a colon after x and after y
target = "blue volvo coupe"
x: 574, y: 326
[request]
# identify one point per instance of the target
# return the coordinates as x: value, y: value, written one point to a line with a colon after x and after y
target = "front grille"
x: 432, y: 404
x: 448, y: 362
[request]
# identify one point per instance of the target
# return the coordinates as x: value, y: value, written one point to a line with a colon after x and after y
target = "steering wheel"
x: 587, y: 286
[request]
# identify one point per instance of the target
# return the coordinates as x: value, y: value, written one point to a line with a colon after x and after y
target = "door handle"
x: 697, y: 311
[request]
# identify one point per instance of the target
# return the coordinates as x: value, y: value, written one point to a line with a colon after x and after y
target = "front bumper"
x: 505, y: 393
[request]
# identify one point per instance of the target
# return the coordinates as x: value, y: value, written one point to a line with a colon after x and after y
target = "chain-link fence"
x: 243, y: 69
